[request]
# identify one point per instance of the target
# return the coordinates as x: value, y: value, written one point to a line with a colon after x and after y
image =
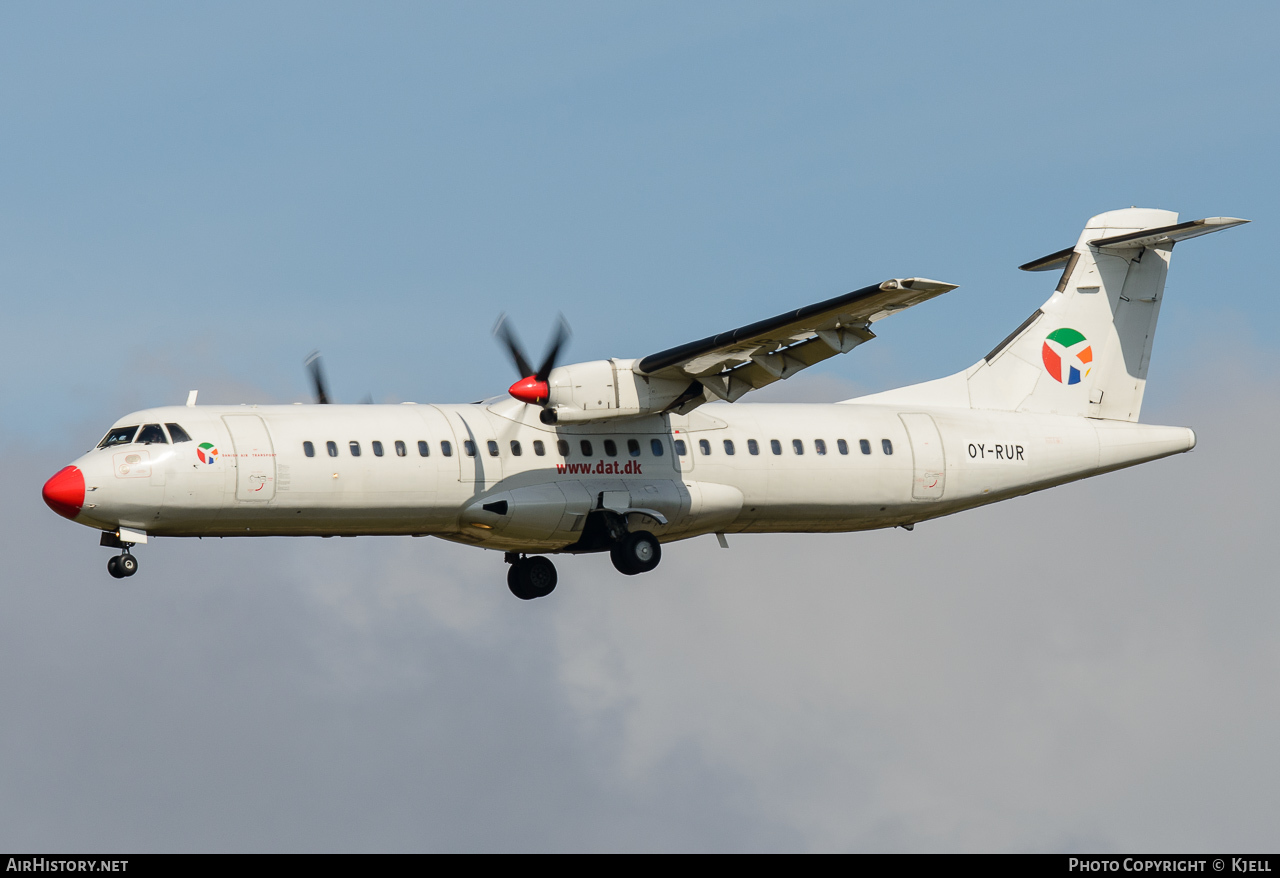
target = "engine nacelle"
x: 603, y: 389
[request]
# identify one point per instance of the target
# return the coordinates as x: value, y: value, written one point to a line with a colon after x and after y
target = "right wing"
x: 732, y: 363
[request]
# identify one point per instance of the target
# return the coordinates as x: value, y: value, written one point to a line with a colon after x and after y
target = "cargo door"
x: 930, y: 466
x: 255, y: 458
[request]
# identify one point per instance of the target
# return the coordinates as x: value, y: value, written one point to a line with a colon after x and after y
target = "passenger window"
x: 401, y: 451
x: 704, y: 446
x: 728, y: 446
x: 469, y: 447
x: 355, y: 448
x: 539, y: 448
x: 308, y: 449
x: 797, y: 446
x: 753, y: 447
x: 775, y: 446
x: 151, y: 434
x: 424, y: 448
x: 842, y: 446
x: 655, y: 445
x: 332, y: 448
x: 377, y: 448
x: 611, y: 448
x: 820, y: 446
x: 177, y: 434
x: 562, y: 446
x: 887, y: 446
x: 680, y: 447
x: 864, y: 446
x: 446, y: 448
x: 118, y: 436
x: 493, y: 448
x: 586, y: 447
x: 633, y: 447
x: 516, y: 451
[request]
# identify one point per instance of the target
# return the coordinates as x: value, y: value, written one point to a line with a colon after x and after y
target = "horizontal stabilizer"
x: 1169, y: 234
x: 1136, y: 240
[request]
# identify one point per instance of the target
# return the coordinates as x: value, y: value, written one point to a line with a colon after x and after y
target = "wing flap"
x: 732, y: 363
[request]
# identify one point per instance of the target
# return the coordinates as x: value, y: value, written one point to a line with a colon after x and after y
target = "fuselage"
x: 492, y: 474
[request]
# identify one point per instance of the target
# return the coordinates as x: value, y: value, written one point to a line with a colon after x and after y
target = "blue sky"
x: 198, y: 198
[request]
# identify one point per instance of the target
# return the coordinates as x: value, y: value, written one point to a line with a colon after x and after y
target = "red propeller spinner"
x: 530, y: 390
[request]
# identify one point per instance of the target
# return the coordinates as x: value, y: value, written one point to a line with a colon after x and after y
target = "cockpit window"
x: 118, y: 436
x: 177, y: 434
x: 151, y: 434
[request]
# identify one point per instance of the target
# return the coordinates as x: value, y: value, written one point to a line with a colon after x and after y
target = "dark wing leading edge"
x: 732, y: 363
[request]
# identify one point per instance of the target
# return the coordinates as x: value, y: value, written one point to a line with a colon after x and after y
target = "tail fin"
x: 1085, y: 351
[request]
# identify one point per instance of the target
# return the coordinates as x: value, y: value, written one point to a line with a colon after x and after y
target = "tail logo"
x: 206, y: 452
x: 1067, y: 355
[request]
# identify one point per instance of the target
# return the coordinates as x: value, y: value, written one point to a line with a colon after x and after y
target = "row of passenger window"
x: 797, y: 446
x: 587, y: 449
x: 469, y: 448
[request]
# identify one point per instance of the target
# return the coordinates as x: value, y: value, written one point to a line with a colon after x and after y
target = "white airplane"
x: 622, y: 455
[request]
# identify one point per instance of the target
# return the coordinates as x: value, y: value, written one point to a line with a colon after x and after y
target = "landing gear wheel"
x: 127, y: 564
x: 113, y: 567
x: 637, y: 552
x: 531, y: 578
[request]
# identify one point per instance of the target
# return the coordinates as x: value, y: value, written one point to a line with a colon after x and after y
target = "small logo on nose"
x: 207, y: 453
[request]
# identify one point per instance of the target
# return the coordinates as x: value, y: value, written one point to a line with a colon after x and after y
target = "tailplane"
x: 1085, y: 351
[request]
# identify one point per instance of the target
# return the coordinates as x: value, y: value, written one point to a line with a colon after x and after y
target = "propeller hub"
x: 530, y: 390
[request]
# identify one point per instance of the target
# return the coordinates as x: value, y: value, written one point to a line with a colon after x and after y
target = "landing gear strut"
x: 530, y: 577
x: 122, y: 565
x: 636, y: 552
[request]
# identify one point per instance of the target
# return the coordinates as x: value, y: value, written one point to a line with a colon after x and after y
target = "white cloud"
x: 1087, y: 668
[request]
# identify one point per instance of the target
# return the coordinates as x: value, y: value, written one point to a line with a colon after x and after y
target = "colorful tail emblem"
x: 206, y: 452
x: 1067, y: 355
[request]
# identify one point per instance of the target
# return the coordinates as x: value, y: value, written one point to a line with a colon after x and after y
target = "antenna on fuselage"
x: 191, y: 397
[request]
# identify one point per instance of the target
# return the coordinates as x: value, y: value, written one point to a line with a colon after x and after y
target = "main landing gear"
x: 636, y: 552
x: 122, y: 565
x: 534, y: 576
x: 531, y: 576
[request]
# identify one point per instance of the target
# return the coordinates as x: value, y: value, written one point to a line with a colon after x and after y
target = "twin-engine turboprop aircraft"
x: 623, y: 455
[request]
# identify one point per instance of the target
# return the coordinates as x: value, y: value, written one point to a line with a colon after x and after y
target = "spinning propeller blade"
x: 317, y: 378
x: 532, y: 386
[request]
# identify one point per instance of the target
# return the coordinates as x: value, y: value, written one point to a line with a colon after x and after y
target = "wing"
x: 744, y: 359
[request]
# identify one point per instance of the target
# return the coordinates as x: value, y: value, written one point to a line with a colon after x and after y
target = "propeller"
x: 532, y: 386
x: 317, y: 377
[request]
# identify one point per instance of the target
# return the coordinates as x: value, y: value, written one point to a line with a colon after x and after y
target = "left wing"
x: 735, y: 362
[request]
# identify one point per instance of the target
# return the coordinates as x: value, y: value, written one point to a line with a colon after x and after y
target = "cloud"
x: 1087, y: 668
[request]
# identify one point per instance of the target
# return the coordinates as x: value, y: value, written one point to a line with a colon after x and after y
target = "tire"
x: 518, y: 582
x: 637, y: 552
x: 113, y: 567
x: 127, y: 564
x: 541, y: 575
x: 531, y: 578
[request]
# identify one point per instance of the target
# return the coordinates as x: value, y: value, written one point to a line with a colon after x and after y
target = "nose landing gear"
x: 530, y: 577
x: 122, y: 565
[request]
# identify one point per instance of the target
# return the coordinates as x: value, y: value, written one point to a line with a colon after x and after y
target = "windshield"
x: 151, y: 434
x: 118, y: 436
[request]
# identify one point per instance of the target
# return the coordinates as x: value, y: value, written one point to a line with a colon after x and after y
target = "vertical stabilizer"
x: 1086, y: 350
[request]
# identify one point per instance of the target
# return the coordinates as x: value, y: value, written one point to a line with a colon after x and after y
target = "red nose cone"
x: 530, y: 390
x: 65, y: 492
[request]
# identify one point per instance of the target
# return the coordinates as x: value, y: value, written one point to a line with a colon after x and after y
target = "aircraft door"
x: 683, y: 463
x: 930, y: 466
x: 483, y: 467
x: 255, y: 458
